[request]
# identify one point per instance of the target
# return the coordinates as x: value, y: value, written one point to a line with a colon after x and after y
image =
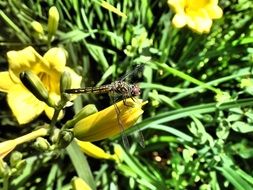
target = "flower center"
x: 45, y: 78
x: 196, y: 4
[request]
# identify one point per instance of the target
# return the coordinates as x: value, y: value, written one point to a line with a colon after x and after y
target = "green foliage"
x: 198, y: 122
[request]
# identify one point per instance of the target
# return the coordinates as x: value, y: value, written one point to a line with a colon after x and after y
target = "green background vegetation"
x: 192, y: 141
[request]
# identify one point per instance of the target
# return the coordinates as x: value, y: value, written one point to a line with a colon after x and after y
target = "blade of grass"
x: 19, y: 33
x: 80, y: 163
x: 188, y: 112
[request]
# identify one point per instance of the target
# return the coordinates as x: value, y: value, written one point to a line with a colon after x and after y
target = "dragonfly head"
x: 135, y: 90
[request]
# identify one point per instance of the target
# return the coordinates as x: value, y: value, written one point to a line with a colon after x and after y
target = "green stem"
x: 57, y: 110
x: 188, y: 77
x: 6, y: 182
x: 55, y: 116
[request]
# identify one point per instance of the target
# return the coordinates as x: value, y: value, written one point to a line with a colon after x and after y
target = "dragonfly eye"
x: 135, y: 90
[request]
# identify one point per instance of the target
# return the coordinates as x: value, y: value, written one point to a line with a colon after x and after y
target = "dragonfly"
x: 118, y: 87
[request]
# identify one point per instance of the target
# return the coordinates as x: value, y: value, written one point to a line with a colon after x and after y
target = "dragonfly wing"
x: 137, y: 69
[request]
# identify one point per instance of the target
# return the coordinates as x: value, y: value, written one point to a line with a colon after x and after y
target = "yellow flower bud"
x: 107, y: 123
x: 65, y: 82
x: 79, y: 184
x: 84, y: 112
x: 37, y: 27
x: 53, y: 21
x: 33, y: 83
x: 6, y: 147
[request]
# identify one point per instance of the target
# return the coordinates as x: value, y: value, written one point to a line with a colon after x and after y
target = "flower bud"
x: 41, y: 144
x: 33, y: 83
x: 65, y: 82
x: 55, y: 135
x: 37, y: 27
x: 79, y: 184
x: 4, y: 169
x: 6, y: 147
x: 15, y: 158
x: 21, y: 166
x: 106, y: 124
x: 65, y: 138
x: 18, y: 169
x: 53, y: 21
x: 84, y: 112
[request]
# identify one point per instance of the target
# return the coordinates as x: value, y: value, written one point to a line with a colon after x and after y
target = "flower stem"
x: 6, y: 182
x: 55, y: 116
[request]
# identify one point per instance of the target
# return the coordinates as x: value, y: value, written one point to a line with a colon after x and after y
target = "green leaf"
x: 232, y: 175
x: 241, y: 127
x: 80, y: 163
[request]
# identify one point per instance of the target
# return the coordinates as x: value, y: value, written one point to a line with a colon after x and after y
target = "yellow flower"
x: 24, y: 105
x: 105, y: 123
x: 196, y: 14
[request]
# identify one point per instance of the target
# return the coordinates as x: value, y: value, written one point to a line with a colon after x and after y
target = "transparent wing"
x: 138, y: 68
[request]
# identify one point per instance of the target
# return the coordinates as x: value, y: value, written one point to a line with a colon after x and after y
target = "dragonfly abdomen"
x: 95, y: 90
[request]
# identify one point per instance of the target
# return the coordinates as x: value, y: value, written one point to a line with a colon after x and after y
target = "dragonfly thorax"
x: 127, y: 90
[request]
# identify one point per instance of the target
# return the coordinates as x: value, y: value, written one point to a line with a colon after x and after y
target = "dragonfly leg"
x: 125, y: 102
x: 140, y: 135
x: 122, y: 130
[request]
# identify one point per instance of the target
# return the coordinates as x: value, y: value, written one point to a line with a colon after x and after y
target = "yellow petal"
x: 196, y: 14
x: 214, y: 12
x: 56, y: 58
x: 24, y: 105
x: 22, y: 60
x: 93, y: 150
x: 105, y: 123
x: 7, y: 82
x: 179, y: 20
x: 200, y: 25
x: 177, y: 5
x: 75, y: 78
